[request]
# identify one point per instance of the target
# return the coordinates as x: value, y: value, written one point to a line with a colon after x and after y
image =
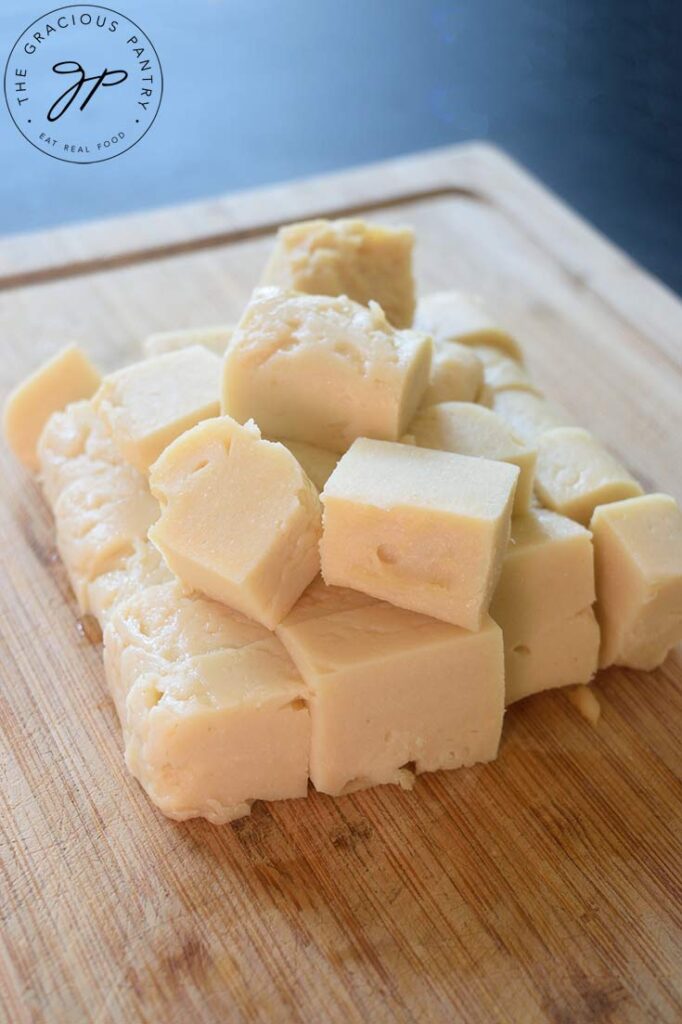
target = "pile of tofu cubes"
x: 330, y: 544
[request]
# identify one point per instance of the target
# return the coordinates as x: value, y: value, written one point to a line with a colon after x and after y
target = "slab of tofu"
x: 475, y: 546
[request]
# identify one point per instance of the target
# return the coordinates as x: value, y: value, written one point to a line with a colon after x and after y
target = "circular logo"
x: 83, y: 83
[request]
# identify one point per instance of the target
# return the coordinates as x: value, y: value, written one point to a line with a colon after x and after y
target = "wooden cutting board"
x: 544, y: 887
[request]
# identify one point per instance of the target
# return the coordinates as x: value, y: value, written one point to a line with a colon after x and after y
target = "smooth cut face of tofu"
x: 454, y: 316
x: 74, y: 444
x: 547, y: 574
x: 323, y: 370
x: 456, y: 375
x: 574, y: 474
x: 391, y: 688
x: 215, y: 339
x: 317, y: 463
x: 147, y: 405
x: 366, y: 262
x: 561, y: 654
x: 98, y: 520
x: 219, y: 731
x: 155, y: 628
x: 501, y: 373
x: 425, y: 530
x: 638, y: 559
x: 240, y: 520
x: 469, y: 429
x: 528, y: 415
x: 67, y: 377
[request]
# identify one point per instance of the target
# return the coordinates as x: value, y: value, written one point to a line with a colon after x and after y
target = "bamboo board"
x: 544, y: 887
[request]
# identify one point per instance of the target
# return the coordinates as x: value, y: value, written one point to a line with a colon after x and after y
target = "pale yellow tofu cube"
x: 560, y: 654
x: 323, y: 370
x: 157, y: 626
x: 215, y: 339
x: 147, y: 405
x: 543, y: 604
x: 73, y: 444
x: 68, y: 377
x: 469, y: 429
x: 392, y: 691
x: 98, y: 519
x: 547, y: 574
x: 317, y: 463
x: 240, y: 520
x: 454, y: 316
x: 219, y: 731
x: 529, y: 415
x: 214, y: 713
x: 425, y: 530
x: 501, y: 373
x: 456, y: 375
x: 574, y: 474
x: 638, y: 559
x: 366, y: 262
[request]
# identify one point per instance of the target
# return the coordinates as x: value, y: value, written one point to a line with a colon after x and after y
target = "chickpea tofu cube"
x: 366, y: 262
x: 390, y: 688
x: 219, y: 731
x: 68, y: 377
x: 638, y: 559
x: 323, y: 370
x: 240, y: 520
x: 454, y: 316
x: 148, y: 404
x: 425, y: 530
x: 543, y: 602
x: 574, y: 474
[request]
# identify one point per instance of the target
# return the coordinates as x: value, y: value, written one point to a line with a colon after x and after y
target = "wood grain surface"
x: 543, y: 887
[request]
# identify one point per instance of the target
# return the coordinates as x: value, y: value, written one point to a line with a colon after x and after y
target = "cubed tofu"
x: 214, y: 713
x: 366, y: 262
x: 638, y: 558
x: 73, y: 444
x: 563, y: 653
x: 469, y: 429
x: 574, y: 474
x: 425, y: 530
x: 158, y: 626
x: 215, y: 339
x: 240, y: 520
x: 456, y: 375
x: 547, y: 574
x: 317, y: 463
x: 323, y: 370
x: 546, y: 586
x: 392, y: 690
x: 454, y: 316
x: 68, y: 377
x: 219, y: 731
x: 501, y: 373
x: 98, y: 520
x: 528, y: 415
x: 147, y: 405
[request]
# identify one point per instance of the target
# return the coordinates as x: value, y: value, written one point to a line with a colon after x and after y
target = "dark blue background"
x: 586, y: 93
